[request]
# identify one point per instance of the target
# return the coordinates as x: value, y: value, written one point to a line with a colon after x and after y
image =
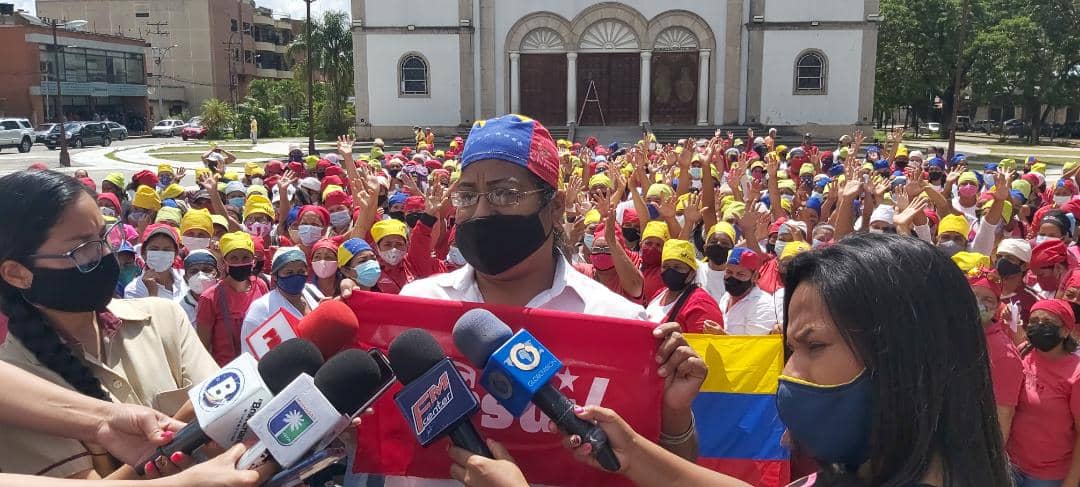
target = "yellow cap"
x: 734, y: 209
x: 197, y: 220
x: 116, y: 179
x: 794, y: 248
x: 258, y: 208
x: 655, y: 229
x: 219, y: 220
x: 162, y: 168
x: 786, y: 184
x: 968, y: 261
x: 781, y: 148
x: 231, y: 176
x: 236, y: 241
x: 1069, y: 166
x: 968, y: 177
x: 172, y: 191
x: 659, y: 190
x: 901, y: 150
x: 1039, y: 167
x: 257, y: 199
x: 786, y: 205
x: 257, y: 189
x: 1006, y: 208
x: 955, y: 224
x: 251, y: 169
x: 806, y: 169
x: 592, y: 217
x: 680, y: 250
x: 168, y: 214
x: 1023, y: 187
x: 147, y: 199
x: 201, y: 172
x: 600, y: 180
x: 385, y: 228
x: 724, y: 228
x: 680, y: 205
x: 1007, y: 164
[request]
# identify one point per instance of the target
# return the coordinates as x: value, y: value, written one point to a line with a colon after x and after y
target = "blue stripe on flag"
x: 739, y: 426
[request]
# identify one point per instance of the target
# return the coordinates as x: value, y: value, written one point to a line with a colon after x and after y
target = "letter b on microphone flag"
x: 605, y: 361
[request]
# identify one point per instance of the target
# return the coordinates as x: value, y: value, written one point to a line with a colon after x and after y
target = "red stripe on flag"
x: 760, y: 473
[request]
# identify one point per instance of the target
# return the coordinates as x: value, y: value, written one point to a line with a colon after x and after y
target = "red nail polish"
x: 176, y: 457
x: 149, y: 467
x: 167, y: 435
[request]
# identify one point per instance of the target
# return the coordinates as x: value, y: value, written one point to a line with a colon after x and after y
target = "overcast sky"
x: 294, y: 8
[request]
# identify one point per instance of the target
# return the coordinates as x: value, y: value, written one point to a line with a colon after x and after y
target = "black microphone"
x: 223, y: 403
x: 435, y: 401
x: 517, y: 369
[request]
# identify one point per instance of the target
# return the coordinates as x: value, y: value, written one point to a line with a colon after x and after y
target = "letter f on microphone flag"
x: 738, y: 427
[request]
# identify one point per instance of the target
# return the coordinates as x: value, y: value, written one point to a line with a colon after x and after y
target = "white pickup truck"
x: 16, y: 132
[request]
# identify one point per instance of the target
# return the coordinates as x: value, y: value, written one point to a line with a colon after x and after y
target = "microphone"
x: 310, y: 412
x: 331, y: 326
x: 223, y: 403
x: 518, y: 370
x: 435, y: 401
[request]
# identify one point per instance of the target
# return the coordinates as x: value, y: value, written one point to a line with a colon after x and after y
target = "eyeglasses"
x: 87, y: 255
x: 1041, y: 323
x: 501, y: 197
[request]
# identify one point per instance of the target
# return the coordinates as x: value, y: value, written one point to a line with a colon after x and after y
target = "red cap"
x: 324, y: 215
x: 145, y: 178
x: 111, y: 198
x: 274, y: 167
x: 1057, y: 307
x: 775, y: 227
x: 1051, y: 252
x: 414, y: 204
x: 323, y: 164
x: 89, y: 183
x: 335, y: 180
x: 337, y: 198
x: 630, y: 217
x: 987, y: 279
x: 334, y: 171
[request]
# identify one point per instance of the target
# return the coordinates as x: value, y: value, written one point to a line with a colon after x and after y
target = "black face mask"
x: 382, y: 201
x: 1043, y: 337
x: 397, y: 215
x: 736, y: 287
x: 717, y: 254
x: 72, y: 291
x: 770, y: 248
x: 1005, y: 268
x: 412, y: 218
x: 240, y: 273
x: 494, y: 244
x: 296, y: 157
x: 674, y: 280
x: 631, y: 234
x: 393, y: 172
x: 937, y: 177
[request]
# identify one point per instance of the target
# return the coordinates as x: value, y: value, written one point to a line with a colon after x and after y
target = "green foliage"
x: 218, y: 118
x: 332, y: 63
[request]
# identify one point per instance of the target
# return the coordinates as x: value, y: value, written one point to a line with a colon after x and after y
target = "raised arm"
x: 630, y: 278
x: 209, y: 183
x: 772, y: 165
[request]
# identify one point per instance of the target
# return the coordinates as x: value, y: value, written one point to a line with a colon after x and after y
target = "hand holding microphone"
x: 517, y: 369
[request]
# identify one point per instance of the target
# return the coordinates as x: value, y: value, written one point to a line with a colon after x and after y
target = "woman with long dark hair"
x: 886, y: 381
x: 57, y: 276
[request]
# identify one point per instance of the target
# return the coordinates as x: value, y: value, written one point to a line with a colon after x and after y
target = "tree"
x: 218, y: 118
x: 1031, y: 55
x: 331, y: 58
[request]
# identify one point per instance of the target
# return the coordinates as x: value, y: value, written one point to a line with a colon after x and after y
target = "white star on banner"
x: 566, y: 379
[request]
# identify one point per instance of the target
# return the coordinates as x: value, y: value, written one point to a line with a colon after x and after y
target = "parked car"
x: 16, y: 132
x: 42, y: 132
x: 986, y: 126
x: 167, y: 128
x: 193, y: 131
x: 1014, y: 126
x: 194, y: 121
x: 932, y: 127
x: 80, y: 134
x: 117, y: 131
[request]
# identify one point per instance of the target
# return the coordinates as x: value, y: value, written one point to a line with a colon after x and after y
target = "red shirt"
x: 700, y: 306
x: 769, y: 280
x: 653, y: 283
x: 1043, y: 430
x: 225, y: 341
x: 1006, y: 370
x: 419, y: 262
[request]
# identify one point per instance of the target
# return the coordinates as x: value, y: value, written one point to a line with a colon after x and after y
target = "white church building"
x: 802, y: 64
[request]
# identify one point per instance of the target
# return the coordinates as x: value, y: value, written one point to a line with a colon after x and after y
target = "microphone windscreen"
x: 412, y: 353
x: 348, y: 380
x: 478, y: 333
x: 285, y: 362
x: 331, y: 326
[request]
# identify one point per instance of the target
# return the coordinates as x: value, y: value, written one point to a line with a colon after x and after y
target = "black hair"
x: 909, y: 314
x: 35, y: 201
x: 1059, y: 219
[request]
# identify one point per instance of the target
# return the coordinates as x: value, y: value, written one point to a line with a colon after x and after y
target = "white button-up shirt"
x: 711, y: 281
x: 753, y: 314
x: 137, y: 288
x: 266, y: 305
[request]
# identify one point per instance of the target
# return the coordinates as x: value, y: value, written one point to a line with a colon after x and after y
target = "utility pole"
x: 310, y: 82
x: 65, y: 157
x: 159, y: 60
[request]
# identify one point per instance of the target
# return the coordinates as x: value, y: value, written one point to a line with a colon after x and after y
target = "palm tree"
x: 332, y: 63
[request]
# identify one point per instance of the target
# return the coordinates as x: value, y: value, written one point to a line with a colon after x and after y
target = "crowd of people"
x: 898, y: 371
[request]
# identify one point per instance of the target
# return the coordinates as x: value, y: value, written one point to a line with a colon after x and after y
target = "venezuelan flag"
x: 737, y: 422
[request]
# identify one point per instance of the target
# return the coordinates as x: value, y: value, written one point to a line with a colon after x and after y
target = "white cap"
x: 311, y: 184
x: 1016, y: 247
x: 883, y: 213
x: 801, y: 226
x: 916, y: 154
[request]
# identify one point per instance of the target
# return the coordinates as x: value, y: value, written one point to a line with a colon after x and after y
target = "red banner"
x: 610, y: 362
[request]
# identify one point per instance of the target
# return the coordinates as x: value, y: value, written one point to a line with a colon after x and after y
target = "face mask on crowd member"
x: 1054, y: 225
x: 200, y: 271
x: 679, y: 266
x: 741, y: 272
x: 239, y: 253
x: 413, y: 209
x: 109, y: 204
x: 396, y: 208
x: 1049, y: 263
x: 719, y: 241
x: 324, y: 259
x: 159, y: 248
x: 144, y: 206
x: 289, y: 269
x: 508, y: 208
x: 953, y: 234
x: 1011, y: 263
x: 1050, y: 327
x: 823, y: 234
x: 631, y: 227
x: 357, y: 261
x: 789, y: 231
x: 313, y: 221
x: 391, y: 240
x: 129, y: 267
x: 986, y: 284
x: 652, y: 243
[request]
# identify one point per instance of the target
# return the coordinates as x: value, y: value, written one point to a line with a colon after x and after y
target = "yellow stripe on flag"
x: 740, y: 364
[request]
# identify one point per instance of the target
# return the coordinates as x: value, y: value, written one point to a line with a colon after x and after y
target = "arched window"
x: 413, y: 75
x: 811, y: 73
